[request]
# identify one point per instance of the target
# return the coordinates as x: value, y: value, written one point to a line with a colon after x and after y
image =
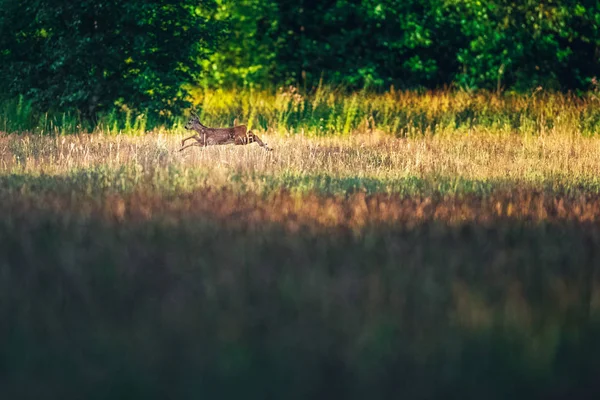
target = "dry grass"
x: 374, y: 163
x: 359, y: 267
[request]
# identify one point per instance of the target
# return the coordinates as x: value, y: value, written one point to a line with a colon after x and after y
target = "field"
x: 427, y: 252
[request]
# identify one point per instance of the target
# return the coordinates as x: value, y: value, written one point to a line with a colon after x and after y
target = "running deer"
x: 204, y: 136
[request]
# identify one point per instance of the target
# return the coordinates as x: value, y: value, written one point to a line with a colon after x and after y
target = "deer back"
x: 239, y: 131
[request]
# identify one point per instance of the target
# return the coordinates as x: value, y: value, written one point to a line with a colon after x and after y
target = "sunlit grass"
x: 330, y: 111
x: 447, y: 164
x: 387, y: 257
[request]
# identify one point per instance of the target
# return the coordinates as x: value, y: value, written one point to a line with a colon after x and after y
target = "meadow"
x: 404, y: 244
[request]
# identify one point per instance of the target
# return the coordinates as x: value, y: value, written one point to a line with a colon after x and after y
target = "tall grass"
x: 396, y: 245
x: 329, y: 111
x: 376, y: 163
x: 350, y: 267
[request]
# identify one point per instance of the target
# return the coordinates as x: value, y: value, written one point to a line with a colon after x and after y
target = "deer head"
x: 194, y: 123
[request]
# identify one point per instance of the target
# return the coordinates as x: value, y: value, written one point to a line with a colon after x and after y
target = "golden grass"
x: 359, y: 182
x: 473, y: 250
x: 357, y: 254
x: 544, y: 160
x: 326, y: 110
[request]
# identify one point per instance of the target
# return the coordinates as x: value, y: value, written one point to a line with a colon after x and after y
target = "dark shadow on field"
x: 128, y: 178
x: 194, y: 309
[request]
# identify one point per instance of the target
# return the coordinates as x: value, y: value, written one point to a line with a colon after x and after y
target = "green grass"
x: 129, y: 178
x: 326, y: 111
x: 463, y: 264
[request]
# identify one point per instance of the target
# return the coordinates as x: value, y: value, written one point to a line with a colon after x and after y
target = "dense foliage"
x: 411, y: 43
x: 94, y: 55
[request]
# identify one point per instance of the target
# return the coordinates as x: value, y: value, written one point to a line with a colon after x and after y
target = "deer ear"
x: 193, y: 113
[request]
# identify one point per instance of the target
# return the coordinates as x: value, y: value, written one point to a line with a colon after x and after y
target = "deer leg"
x: 241, y: 140
x: 195, y: 136
x: 190, y: 145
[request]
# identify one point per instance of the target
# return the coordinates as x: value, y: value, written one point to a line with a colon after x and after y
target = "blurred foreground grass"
x: 458, y: 266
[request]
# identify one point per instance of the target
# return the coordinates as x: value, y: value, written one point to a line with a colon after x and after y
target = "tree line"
x: 95, y: 55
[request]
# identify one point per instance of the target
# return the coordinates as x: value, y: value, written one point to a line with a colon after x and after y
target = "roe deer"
x: 205, y: 136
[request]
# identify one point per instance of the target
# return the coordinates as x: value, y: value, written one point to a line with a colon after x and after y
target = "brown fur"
x: 204, y: 136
